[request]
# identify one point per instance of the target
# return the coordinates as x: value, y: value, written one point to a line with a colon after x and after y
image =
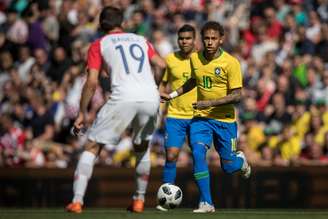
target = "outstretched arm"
x: 159, y: 62
x: 186, y: 87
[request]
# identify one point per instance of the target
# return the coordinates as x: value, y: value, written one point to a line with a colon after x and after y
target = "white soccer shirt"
x: 126, y: 55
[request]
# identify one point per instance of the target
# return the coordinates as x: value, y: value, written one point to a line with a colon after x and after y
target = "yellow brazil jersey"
x: 178, y: 71
x: 215, y: 79
x: 301, y: 125
x: 255, y: 137
x: 290, y: 148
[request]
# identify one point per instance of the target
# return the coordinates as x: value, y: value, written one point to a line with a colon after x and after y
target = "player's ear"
x: 221, y: 39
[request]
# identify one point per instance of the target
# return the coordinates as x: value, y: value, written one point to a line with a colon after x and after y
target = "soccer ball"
x: 169, y: 196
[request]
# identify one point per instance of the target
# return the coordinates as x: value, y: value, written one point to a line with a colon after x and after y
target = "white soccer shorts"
x: 115, y: 116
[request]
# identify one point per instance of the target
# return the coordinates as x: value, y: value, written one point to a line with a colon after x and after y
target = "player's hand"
x: 165, y: 97
x: 201, y: 104
x: 78, y: 124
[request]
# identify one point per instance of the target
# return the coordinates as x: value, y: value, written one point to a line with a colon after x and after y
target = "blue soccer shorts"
x: 176, y: 131
x: 204, y: 131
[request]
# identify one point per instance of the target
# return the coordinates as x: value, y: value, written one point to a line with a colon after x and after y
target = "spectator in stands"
x: 317, y: 128
x: 16, y: 28
x: 41, y: 59
x: 6, y: 63
x: 282, y: 10
x: 253, y: 130
x: 322, y: 45
x: 288, y: 147
x: 313, y: 155
x: 304, y: 45
x: 276, y: 114
x: 137, y: 24
x: 161, y: 43
x: 42, y: 122
x: 274, y: 27
x: 267, y: 156
x: 12, y: 141
x: 25, y: 63
x: 36, y: 37
x: 301, y: 118
x: 33, y: 156
x: 59, y: 64
x: 50, y: 24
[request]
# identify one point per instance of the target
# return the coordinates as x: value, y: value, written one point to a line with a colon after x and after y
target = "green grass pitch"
x: 95, y: 213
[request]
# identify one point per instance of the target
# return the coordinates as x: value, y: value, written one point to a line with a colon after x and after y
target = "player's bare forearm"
x: 164, y: 87
x: 89, y: 90
x: 160, y: 65
x: 187, y: 86
x: 87, y: 93
x: 159, y: 75
x: 232, y: 98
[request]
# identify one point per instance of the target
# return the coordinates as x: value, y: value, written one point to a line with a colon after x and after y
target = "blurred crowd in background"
x: 281, y: 44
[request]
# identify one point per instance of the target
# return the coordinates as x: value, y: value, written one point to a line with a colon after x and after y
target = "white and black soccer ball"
x: 169, y: 196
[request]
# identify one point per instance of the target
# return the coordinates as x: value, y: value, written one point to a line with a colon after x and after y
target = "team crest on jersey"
x: 217, y: 71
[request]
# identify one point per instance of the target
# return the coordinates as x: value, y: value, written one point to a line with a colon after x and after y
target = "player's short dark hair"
x: 187, y: 28
x: 212, y: 25
x: 110, y: 17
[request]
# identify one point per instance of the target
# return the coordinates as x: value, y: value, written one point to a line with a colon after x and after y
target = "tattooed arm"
x: 233, y: 97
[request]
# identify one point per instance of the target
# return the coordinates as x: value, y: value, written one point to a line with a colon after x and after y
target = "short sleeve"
x: 151, y: 50
x: 94, y: 60
x: 235, y: 79
x: 167, y: 70
x: 165, y: 76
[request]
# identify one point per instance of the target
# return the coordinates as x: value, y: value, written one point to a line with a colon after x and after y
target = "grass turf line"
x: 94, y: 213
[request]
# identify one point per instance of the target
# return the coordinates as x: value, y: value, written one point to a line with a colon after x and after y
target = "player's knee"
x: 172, y: 155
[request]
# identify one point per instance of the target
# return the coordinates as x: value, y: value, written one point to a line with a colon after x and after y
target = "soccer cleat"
x: 137, y: 206
x: 204, y: 207
x: 161, y: 208
x: 74, y: 207
x: 246, y: 168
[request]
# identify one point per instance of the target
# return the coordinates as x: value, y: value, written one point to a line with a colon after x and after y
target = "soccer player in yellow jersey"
x: 218, y: 80
x: 180, y: 110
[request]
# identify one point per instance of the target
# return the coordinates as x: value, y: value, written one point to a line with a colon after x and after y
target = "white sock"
x: 143, y: 166
x: 82, y: 175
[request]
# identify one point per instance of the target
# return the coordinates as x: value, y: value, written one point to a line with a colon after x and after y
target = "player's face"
x: 212, y: 41
x: 186, y: 42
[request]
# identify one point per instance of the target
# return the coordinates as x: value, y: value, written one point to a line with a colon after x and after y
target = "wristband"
x: 173, y: 94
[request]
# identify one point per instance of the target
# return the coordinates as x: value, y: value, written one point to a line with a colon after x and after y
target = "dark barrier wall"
x: 299, y: 187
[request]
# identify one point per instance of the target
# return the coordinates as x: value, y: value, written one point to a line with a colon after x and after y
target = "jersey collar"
x: 116, y: 32
x: 221, y: 51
